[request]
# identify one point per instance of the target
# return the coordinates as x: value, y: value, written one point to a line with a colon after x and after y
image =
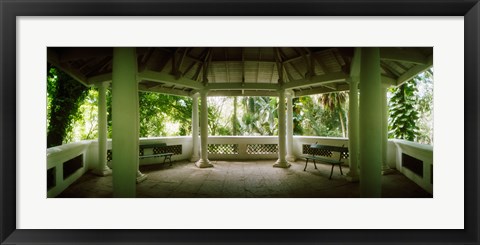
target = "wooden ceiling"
x: 240, y: 71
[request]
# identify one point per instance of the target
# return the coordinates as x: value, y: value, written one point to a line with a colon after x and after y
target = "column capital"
x: 195, y: 94
x: 203, y: 91
x: 289, y: 93
x: 103, y: 84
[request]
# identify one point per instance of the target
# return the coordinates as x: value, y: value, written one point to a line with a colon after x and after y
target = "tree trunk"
x: 341, y: 122
x: 234, y: 118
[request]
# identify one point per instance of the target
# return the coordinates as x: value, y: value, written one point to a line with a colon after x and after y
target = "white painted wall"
x: 419, y: 151
x: 56, y: 156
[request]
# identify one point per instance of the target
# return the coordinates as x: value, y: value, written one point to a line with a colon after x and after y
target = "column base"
x: 203, y: 164
x: 194, y: 158
x: 291, y: 158
x: 387, y: 170
x: 104, y: 172
x: 351, y: 177
x: 141, y: 177
x: 281, y: 164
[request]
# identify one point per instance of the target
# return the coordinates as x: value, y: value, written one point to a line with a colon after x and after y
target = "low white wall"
x: 421, y: 152
x: 56, y: 156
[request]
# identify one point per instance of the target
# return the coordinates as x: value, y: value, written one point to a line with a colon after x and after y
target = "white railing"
x: 421, y: 152
x: 231, y: 148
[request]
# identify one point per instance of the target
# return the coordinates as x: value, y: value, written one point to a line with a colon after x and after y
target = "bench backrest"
x: 156, y: 148
x: 326, y: 150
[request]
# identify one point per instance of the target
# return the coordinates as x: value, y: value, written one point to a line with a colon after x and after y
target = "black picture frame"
x: 470, y: 9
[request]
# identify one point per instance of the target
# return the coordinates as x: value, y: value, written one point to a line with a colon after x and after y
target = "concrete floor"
x: 229, y: 179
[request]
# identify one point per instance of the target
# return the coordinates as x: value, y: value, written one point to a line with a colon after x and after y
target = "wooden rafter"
x: 243, y: 65
x: 206, y: 65
x: 226, y: 64
x: 280, y: 67
x: 296, y: 70
x: 258, y: 65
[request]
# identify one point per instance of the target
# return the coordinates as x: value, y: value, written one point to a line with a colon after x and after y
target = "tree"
x: 334, y: 102
x: 260, y: 117
x: 65, y: 96
x: 403, y: 112
x: 425, y: 107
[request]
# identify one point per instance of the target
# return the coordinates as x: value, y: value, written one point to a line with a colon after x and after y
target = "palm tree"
x: 335, y: 102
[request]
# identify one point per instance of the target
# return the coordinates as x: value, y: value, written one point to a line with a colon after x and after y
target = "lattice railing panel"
x: 262, y: 148
x: 222, y: 149
x: 175, y: 149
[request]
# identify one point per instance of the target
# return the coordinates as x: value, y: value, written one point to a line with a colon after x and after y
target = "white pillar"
x: 352, y: 175
x: 290, y: 155
x: 124, y: 122
x: 195, y: 146
x: 204, y: 162
x: 140, y: 176
x: 385, y: 168
x: 102, y: 168
x: 281, y: 162
x: 370, y: 124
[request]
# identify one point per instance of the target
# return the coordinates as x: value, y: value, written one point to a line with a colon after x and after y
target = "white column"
x: 370, y: 124
x: 195, y: 147
x: 281, y: 162
x: 140, y: 176
x: 102, y: 168
x: 352, y: 175
x: 385, y: 168
x: 124, y: 122
x: 290, y: 155
x: 204, y: 162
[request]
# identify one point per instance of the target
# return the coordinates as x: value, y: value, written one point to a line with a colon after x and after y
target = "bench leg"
x: 331, y: 172
x: 305, y: 164
x: 170, y: 160
x: 340, y: 166
x: 315, y: 164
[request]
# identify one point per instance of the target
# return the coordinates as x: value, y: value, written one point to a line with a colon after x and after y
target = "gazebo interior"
x: 263, y: 166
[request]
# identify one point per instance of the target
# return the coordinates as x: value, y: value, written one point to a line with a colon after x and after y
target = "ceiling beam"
x: 388, y: 80
x: 242, y: 93
x: 168, y: 79
x: 69, y: 54
x: 240, y: 86
x: 415, y: 71
x: 408, y: 55
x: 53, y: 58
x: 314, y: 80
x: 100, y: 78
x: 320, y: 90
x: 163, y: 90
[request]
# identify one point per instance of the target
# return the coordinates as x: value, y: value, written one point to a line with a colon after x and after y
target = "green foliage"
x: 64, y: 97
x: 425, y: 107
x: 260, y: 117
x: 164, y: 115
x: 335, y: 103
x: 315, y: 119
x: 403, y: 112
x: 85, y: 126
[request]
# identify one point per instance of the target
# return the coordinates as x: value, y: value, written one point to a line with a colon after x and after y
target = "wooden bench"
x: 158, y: 150
x: 323, y: 153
